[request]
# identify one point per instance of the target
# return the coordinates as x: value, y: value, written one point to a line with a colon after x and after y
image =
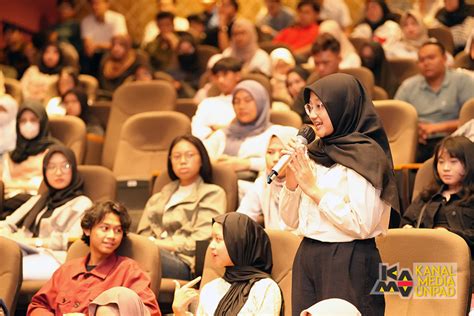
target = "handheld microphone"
x: 305, y: 136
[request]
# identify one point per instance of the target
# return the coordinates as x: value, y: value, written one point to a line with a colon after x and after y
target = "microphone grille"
x: 308, y: 133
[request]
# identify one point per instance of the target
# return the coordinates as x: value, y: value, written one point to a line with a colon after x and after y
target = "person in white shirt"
x: 338, y: 194
x: 262, y: 199
x: 243, y: 248
x: 214, y: 113
x: 97, y: 30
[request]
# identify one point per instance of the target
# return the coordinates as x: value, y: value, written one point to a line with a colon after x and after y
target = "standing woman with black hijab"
x: 339, y: 192
x: 241, y: 246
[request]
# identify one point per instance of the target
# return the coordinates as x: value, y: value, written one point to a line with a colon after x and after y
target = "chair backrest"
x: 444, y: 36
x: 186, y: 106
x: 403, y: 68
x: 412, y: 248
x: 204, y: 52
x: 284, y: 247
x: 424, y: 178
x: 13, y: 88
x: 133, y: 98
x: 11, y: 274
x: 400, y: 122
x: 269, y: 46
x: 365, y: 76
x: 90, y: 84
x: 146, y: 138
x: 287, y: 118
x: 467, y: 112
x: 134, y: 246
x: 357, y: 42
x: 71, y: 131
x: 101, y: 111
x: 99, y: 183
x: 222, y: 176
x: 379, y: 94
x: 9, y: 71
x: 461, y: 60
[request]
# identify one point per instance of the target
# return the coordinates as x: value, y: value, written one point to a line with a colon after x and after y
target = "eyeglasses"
x: 65, y: 167
x: 187, y: 156
x: 313, y: 109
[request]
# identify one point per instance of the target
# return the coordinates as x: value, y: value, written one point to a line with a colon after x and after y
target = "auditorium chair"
x: 403, y: 68
x: 400, y: 122
x: 444, y: 36
x: 10, y: 273
x: 467, y: 112
x: 410, y: 246
x: 71, y: 131
x: 461, y: 60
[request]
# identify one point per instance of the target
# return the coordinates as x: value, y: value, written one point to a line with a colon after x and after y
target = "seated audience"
x: 336, y: 10
x: 246, y: 287
x: 296, y: 80
x: 301, y: 36
x: 349, y: 56
x: 373, y: 58
x: 120, y: 63
x: 414, y: 34
x: 49, y: 219
x: 457, y: 17
x: 197, y: 27
x: 38, y: 78
x: 97, y: 30
x: 437, y: 94
x: 68, y: 79
x: 244, y: 46
x: 76, y: 104
x: 214, y: 113
x: 379, y: 24
x: 262, y: 199
x: 242, y: 145
x: 162, y: 49
x: 449, y: 202
x: 218, y: 35
x: 181, y: 213
x: 152, y: 29
x: 276, y: 18
x: 22, y: 168
x: 104, y: 227
x: 188, y: 71
x: 282, y: 62
x: 68, y: 28
x: 17, y: 50
x: 8, y: 112
x: 326, y: 53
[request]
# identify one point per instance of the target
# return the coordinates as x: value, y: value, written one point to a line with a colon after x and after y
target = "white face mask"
x: 29, y: 130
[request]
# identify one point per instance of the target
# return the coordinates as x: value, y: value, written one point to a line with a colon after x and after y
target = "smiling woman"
x: 181, y: 213
x: 50, y: 218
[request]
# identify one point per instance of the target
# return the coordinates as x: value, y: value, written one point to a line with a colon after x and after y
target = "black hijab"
x: 387, y: 15
x: 249, y: 249
x: 51, y: 70
x: 30, y: 147
x: 359, y: 141
x: 455, y: 17
x: 83, y: 101
x: 54, y: 198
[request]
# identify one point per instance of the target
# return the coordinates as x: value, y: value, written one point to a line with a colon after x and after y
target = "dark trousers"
x: 347, y: 270
x: 172, y: 267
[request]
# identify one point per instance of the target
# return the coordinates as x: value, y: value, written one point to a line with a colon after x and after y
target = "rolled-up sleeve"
x: 289, y: 206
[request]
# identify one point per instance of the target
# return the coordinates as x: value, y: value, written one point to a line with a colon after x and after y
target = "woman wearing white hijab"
x: 8, y: 111
x: 244, y: 45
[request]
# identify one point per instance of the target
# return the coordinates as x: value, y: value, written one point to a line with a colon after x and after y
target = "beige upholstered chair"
x: 461, y: 60
x: 10, y: 273
x: 134, y: 246
x: 186, y: 106
x: 205, y: 52
x: 13, y: 88
x: 71, y: 131
x: 284, y: 247
x: 423, y: 246
x: 130, y: 99
x: 287, y: 118
x: 90, y: 84
x: 467, y: 112
x: 379, y: 93
x: 444, y: 36
x: 424, y: 177
x: 400, y: 122
x: 145, y: 139
x: 403, y: 68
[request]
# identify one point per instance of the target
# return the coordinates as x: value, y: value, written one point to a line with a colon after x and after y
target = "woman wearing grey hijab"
x: 242, y: 144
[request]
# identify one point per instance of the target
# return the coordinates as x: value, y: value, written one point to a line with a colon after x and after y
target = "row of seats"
x: 405, y: 247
